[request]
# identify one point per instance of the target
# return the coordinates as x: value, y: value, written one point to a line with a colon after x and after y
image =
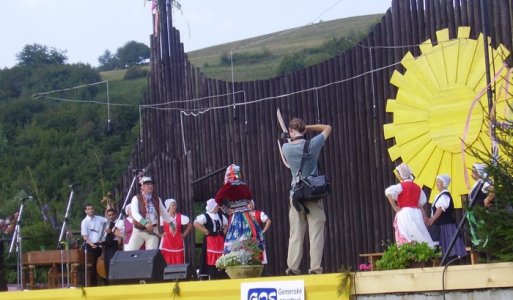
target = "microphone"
x: 74, y: 184
x: 28, y: 197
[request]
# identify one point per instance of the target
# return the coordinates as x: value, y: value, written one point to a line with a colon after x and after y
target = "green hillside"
x: 262, y: 55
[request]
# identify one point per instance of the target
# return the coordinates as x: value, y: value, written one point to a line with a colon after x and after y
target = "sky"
x: 86, y: 28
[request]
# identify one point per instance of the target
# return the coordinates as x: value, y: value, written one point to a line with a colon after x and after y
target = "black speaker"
x: 181, y: 272
x: 137, y: 266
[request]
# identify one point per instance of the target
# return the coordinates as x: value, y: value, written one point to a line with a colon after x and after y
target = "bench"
x: 372, y: 258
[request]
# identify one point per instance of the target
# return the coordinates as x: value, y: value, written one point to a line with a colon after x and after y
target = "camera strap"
x: 303, y: 158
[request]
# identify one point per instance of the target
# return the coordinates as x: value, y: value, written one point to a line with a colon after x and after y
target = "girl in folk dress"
x: 236, y: 196
x: 213, y: 225
x: 407, y: 200
x: 172, y: 245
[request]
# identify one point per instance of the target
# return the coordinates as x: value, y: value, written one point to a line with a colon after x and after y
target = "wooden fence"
x: 224, y: 122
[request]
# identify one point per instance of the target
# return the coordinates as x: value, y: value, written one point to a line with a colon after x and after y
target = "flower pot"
x: 417, y: 264
x: 245, y: 271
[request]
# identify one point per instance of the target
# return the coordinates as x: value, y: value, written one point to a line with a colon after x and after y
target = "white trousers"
x: 139, y: 238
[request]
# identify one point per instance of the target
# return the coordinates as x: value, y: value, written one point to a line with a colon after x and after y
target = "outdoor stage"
x: 473, y: 279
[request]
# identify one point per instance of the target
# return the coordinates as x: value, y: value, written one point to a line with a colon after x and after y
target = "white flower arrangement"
x: 243, y: 251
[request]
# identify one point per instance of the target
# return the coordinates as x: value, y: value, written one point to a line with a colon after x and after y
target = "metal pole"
x: 16, y: 240
x: 484, y: 30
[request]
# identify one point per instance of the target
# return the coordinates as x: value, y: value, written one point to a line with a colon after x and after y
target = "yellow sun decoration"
x: 433, y: 110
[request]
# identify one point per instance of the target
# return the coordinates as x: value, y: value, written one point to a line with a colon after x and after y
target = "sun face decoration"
x: 441, y: 101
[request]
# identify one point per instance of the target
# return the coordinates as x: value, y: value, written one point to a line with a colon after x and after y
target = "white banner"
x: 273, y: 290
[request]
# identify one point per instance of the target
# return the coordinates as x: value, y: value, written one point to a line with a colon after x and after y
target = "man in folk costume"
x: 172, y: 245
x: 147, y: 209
x: 407, y: 199
x: 237, y: 197
x: 213, y: 225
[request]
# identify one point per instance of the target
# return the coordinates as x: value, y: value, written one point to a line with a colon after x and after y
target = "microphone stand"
x: 85, y: 262
x: 140, y: 173
x: 61, y: 240
x: 16, y: 240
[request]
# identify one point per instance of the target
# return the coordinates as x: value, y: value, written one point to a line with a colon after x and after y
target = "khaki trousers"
x: 299, y: 223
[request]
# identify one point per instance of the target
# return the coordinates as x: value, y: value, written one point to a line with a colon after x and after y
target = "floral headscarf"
x: 232, y: 173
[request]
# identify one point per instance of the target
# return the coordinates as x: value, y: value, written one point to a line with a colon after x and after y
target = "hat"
x: 168, y: 203
x: 445, y: 179
x: 146, y: 179
x: 211, y: 205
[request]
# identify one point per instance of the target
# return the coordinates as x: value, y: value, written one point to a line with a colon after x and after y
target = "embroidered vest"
x: 409, y: 197
x: 142, y: 210
x: 210, y: 225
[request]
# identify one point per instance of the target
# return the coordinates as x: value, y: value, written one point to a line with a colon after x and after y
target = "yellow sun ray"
x: 436, y: 107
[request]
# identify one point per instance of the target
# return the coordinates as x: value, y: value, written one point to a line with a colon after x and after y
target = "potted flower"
x: 242, y: 260
x: 407, y: 255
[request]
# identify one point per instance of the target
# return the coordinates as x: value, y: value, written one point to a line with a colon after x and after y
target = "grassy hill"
x: 279, y: 45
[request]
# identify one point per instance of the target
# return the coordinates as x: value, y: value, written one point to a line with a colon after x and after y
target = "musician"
x: 147, y: 208
x: 112, y: 242
x: 92, y: 231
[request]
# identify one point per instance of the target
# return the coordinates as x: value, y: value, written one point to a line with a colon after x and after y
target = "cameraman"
x: 308, y: 214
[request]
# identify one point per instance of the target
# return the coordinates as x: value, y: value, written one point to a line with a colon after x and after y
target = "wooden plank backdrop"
x: 193, y: 126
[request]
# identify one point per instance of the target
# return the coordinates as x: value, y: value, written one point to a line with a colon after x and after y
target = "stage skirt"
x: 447, y: 232
x: 409, y: 227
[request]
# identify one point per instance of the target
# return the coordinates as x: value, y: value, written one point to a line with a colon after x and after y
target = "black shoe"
x: 289, y: 272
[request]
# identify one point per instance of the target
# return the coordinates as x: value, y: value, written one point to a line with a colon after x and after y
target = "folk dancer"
x: 213, y: 224
x: 172, y: 243
x: 236, y: 197
x: 407, y: 199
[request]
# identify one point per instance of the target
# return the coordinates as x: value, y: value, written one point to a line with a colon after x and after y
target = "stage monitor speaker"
x: 138, y: 266
x: 180, y: 272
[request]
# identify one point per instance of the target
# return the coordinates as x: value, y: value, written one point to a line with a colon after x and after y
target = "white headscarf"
x: 445, y: 179
x: 168, y: 203
x: 211, y: 205
x: 480, y: 169
x: 404, y: 171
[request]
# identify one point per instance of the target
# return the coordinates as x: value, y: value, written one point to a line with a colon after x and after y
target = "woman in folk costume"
x: 407, y: 200
x: 236, y: 196
x: 172, y: 245
x: 443, y: 224
x: 480, y: 194
x: 213, y: 225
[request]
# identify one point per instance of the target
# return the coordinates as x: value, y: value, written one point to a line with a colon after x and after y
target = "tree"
x: 37, y: 54
x: 108, y: 61
x: 495, y: 226
x: 132, y: 53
